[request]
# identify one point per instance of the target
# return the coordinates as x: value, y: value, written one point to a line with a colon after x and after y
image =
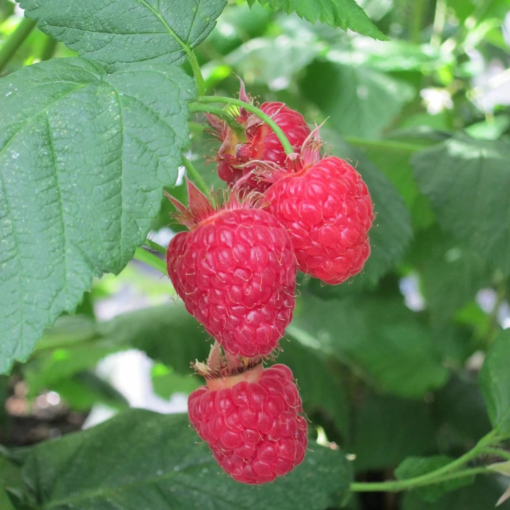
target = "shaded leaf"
x: 82, y: 167
x: 417, y: 466
x: 123, y: 31
x: 165, y: 467
x: 495, y: 382
x: 468, y: 184
x: 346, y: 14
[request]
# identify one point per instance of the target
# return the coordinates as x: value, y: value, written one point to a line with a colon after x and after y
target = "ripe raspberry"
x: 261, y: 142
x: 251, y: 422
x: 327, y: 211
x: 235, y: 271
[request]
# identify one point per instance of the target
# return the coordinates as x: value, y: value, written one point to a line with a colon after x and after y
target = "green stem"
x: 15, y: 40
x: 497, y: 452
x: 387, y: 145
x: 400, y: 485
x: 155, y: 246
x: 49, y: 48
x: 417, y: 20
x: 252, y: 109
x: 195, y: 176
x: 150, y: 259
x: 439, y: 21
x: 223, y: 115
x: 439, y: 475
x: 199, y: 79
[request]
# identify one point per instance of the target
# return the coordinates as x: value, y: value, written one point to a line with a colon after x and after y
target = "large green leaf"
x: 468, y: 183
x: 82, y: 167
x: 418, y: 466
x: 358, y: 100
x: 387, y: 430
x: 346, y: 14
x: 495, y: 382
x: 122, y: 31
x: 144, y: 460
x: 380, y: 337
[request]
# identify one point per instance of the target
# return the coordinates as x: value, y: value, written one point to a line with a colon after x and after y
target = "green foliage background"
x: 388, y: 364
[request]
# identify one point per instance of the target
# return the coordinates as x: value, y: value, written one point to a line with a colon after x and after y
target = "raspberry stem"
x: 223, y: 115
x: 195, y: 176
x: 150, y: 259
x: 253, y: 109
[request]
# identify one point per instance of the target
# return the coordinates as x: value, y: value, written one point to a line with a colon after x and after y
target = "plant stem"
x: 439, y: 21
x: 388, y: 145
x: 195, y: 176
x: 497, y: 452
x: 199, y: 79
x: 150, y: 259
x: 223, y: 115
x: 252, y: 109
x: 437, y: 476
x: 155, y: 246
x: 417, y: 20
x: 49, y: 48
x: 15, y: 40
x: 400, y: 485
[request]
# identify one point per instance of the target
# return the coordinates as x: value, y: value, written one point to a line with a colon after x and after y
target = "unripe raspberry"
x: 327, y: 211
x: 261, y: 144
x: 235, y: 270
x: 252, y: 423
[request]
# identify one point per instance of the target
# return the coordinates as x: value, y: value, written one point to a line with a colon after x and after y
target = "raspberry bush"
x: 285, y: 223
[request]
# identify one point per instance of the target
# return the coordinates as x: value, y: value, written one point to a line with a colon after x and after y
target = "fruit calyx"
x: 200, y: 209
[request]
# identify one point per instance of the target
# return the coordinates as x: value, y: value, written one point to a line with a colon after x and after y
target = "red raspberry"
x: 251, y: 422
x: 261, y: 142
x: 235, y: 270
x: 327, y: 211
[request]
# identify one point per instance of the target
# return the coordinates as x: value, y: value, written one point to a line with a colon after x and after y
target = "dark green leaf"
x: 144, y: 460
x: 482, y: 495
x: 495, y: 382
x: 123, y: 31
x: 359, y: 101
x: 468, y: 184
x: 346, y: 14
x: 382, y: 338
x: 82, y: 167
x: 417, y: 466
x: 387, y: 430
x: 5, y: 502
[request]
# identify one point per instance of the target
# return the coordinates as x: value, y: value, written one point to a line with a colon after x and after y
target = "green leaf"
x: 123, y: 31
x: 392, y: 231
x: 468, y: 183
x: 346, y: 14
x: 417, y: 466
x: 482, y: 495
x: 151, y: 460
x: 166, y: 382
x: 359, y: 101
x: 379, y: 337
x: 495, y: 382
x: 5, y: 502
x: 318, y: 386
x: 387, y: 430
x: 82, y: 167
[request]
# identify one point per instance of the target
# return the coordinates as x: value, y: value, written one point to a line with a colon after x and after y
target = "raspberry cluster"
x: 235, y: 269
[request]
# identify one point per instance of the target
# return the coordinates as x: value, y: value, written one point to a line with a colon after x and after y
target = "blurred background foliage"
x: 387, y: 363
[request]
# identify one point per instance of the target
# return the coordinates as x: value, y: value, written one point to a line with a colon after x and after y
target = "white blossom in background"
x: 436, y: 100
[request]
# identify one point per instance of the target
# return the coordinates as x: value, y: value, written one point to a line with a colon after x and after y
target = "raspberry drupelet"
x: 252, y: 422
x: 235, y: 270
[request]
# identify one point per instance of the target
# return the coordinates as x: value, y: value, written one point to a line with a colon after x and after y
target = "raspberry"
x: 235, y: 270
x: 251, y: 422
x: 327, y: 211
x: 261, y: 142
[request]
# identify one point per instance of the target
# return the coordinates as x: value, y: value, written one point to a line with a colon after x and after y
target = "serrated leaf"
x: 151, y: 460
x: 123, y: 31
x: 82, y: 167
x: 346, y: 14
x: 380, y: 337
x: 392, y: 231
x: 359, y: 101
x: 417, y: 466
x: 468, y: 184
x: 495, y: 382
